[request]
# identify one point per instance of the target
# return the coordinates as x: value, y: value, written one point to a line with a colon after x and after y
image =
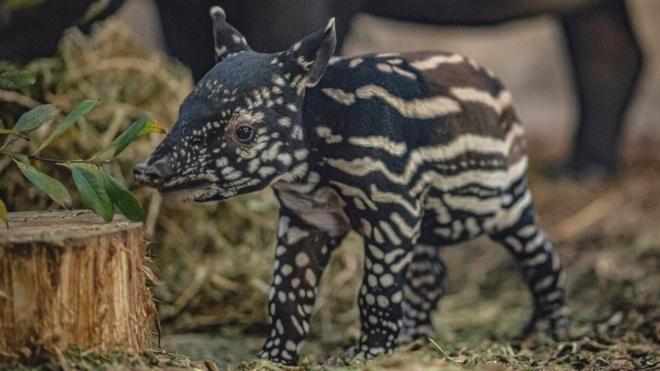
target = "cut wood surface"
x: 69, y: 280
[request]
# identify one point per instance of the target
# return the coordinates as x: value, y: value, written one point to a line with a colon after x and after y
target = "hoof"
x: 407, y: 336
x: 361, y: 353
x: 555, y: 326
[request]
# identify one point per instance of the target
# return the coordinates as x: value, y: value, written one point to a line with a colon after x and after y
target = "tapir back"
x: 416, y: 116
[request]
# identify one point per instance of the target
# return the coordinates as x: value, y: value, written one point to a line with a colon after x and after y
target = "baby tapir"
x: 414, y: 151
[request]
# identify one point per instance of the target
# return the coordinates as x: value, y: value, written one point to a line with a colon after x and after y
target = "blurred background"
x: 214, y: 261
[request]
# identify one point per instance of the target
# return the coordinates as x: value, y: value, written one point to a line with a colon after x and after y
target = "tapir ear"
x: 227, y: 39
x: 313, y: 53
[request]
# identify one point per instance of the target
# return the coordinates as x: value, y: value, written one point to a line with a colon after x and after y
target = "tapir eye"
x: 244, y: 133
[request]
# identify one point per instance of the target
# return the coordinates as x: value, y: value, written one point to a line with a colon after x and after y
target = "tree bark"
x: 69, y: 280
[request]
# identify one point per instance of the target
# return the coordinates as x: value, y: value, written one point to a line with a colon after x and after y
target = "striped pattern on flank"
x: 467, y: 142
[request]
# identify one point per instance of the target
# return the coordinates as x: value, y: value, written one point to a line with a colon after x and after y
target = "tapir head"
x: 240, y: 129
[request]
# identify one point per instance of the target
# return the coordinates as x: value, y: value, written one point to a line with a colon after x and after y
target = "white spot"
x: 295, y: 234
x: 285, y: 159
x: 286, y: 269
x: 301, y: 154
x: 266, y: 171
x: 326, y: 133
x: 284, y: 121
x: 310, y: 277
x: 355, y: 62
x: 302, y: 259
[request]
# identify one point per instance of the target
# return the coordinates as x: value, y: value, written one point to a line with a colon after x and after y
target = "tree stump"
x: 69, y: 280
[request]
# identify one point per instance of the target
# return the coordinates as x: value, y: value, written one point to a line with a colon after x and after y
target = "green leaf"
x: 89, y: 180
x: 4, y: 216
x: 32, y: 119
x: 152, y: 127
x: 35, y: 117
x: 16, y: 79
x: 123, y: 199
x: 80, y: 110
x: 51, y: 186
x: 132, y: 133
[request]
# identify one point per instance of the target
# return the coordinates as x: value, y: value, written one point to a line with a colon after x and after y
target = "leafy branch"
x: 99, y: 190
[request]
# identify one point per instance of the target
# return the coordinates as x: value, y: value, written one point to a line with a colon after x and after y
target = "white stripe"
x: 498, y: 179
x: 473, y: 204
x: 404, y: 228
x: 387, y: 68
x: 435, y: 61
x: 404, y: 73
x: 339, y: 96
x: 350, y: 191
x: 403, y: 262
x: 391, y: 235
x: 388, y: 54
x: 394, y: 198
x: 379, y: 142
x: 508, y: 217
x: 469, y: 94
x: 425, y: 108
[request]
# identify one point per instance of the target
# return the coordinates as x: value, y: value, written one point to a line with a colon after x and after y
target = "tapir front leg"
x: 302, y: 253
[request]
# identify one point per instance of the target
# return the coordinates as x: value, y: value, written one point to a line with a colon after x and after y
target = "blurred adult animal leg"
x: 607, y: 61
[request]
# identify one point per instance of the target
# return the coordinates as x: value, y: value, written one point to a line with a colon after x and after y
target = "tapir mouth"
x: 198, y: 191
x: 188, y: 185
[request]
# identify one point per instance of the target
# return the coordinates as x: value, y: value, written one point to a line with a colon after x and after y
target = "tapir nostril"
x: 152, y: 173
x: 140, y: 167
x: 159, y: 169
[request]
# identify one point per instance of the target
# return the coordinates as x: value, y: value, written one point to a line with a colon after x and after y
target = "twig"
x: 20, y: 135
x: 61, y: 359
x: 447, y: 356
x: 224, y: 282
x: 189, y: 293
x: 14, y: 97
x: 152, y: 213
x: 587, y: 216
x: 57, y: 161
